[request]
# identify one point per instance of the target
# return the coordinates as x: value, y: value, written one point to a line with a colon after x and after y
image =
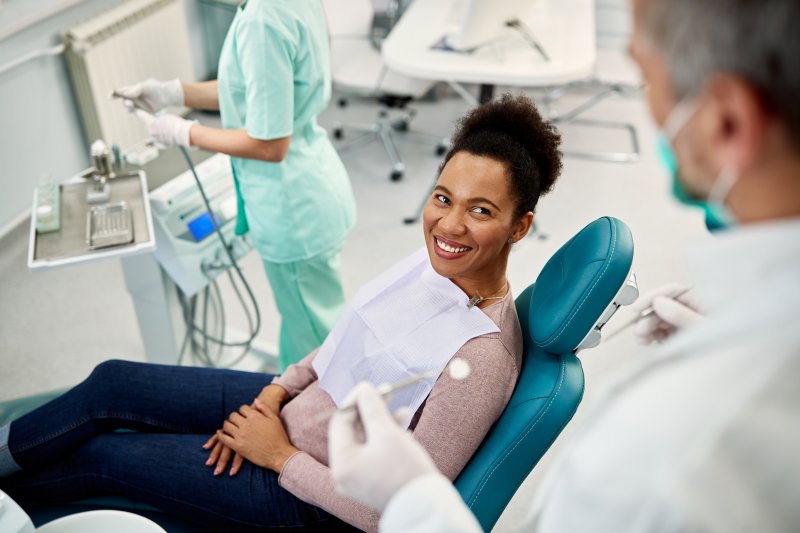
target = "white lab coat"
x: 704, y: 437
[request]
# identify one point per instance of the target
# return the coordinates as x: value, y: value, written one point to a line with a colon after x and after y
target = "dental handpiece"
x: 457, y: 368
x: 644, y: 314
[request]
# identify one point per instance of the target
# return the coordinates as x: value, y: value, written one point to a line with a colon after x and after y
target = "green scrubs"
x: 274, y: 79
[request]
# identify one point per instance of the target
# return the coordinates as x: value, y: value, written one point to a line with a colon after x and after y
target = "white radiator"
x: 136, y: 40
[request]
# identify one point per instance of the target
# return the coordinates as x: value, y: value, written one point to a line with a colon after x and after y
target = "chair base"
x: 384, y: 130
x: 606, y: 90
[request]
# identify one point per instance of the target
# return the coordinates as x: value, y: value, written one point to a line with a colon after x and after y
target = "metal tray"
x: 69, y: 245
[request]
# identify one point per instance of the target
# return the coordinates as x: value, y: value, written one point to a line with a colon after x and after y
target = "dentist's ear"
x: 739, y: 127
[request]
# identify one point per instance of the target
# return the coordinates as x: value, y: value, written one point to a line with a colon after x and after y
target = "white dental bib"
x: 407, y: 321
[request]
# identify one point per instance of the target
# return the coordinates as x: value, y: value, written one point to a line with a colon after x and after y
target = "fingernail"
x: 209, y: 461
x: 217, y: 471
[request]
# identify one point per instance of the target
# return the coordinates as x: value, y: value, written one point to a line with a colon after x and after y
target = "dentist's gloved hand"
x: 167, y: 129
x: 669, y: 314
x: 153, y: 95
x: 371, y: 457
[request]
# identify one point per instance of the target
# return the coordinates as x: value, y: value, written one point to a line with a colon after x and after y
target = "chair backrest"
x: 357, y: 67
x: 574, y: 293
x: 348, y: 18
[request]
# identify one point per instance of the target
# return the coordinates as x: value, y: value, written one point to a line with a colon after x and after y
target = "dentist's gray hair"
x: 758, y: 40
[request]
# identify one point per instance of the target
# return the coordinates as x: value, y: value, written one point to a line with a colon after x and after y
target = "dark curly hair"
x: 510, y: 130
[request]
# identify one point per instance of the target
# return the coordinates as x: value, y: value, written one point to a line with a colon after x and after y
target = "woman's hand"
x: 221, y: 456
x: 257, y: 434
x: 273, y: 397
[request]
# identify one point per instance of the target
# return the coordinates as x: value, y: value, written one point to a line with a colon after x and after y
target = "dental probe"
x: 643, y: 314
x: 457, y: 368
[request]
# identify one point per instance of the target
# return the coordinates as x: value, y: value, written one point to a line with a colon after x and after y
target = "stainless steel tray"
x: 69, y: 245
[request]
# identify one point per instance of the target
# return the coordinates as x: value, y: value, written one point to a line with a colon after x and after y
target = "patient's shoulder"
x: 509, y: 338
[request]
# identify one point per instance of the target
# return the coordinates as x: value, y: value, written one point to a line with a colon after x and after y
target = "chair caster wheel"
x: 338, y: 134
x: 396, y: 175
x: 400, y: 125
x: 441, y: 149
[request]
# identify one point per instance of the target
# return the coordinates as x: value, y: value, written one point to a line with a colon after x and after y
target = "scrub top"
x: 274, y: 79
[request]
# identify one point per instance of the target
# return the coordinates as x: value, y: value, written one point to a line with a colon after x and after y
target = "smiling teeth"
x: 450, y: 249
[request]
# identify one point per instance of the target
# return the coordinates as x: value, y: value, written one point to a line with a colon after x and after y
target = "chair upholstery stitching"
x: 505, y: 456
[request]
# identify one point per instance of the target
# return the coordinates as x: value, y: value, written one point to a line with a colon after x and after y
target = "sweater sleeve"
x: 457, y: 414
x: 311, y: 481
x: 450, y: 425
x: 298, y: 376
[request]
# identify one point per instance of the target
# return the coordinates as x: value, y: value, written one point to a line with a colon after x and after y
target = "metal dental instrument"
x: 643, y: 314
x: 457, y: 368
x: 137, y: 102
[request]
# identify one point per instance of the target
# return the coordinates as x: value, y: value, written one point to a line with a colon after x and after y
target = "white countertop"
x: 565, y: 28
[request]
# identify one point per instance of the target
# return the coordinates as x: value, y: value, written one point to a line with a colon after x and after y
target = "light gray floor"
x: 57, y: 325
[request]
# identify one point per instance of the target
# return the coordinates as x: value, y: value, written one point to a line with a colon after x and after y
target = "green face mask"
x: 717, y: 215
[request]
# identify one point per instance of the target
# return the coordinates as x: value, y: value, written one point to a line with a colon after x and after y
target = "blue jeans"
x: 68, y: 449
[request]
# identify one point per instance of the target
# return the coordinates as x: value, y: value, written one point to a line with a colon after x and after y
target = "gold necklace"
x: 478, y: 299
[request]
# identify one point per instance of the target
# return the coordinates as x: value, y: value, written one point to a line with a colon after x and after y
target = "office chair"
x: 576, y: 293
x: 358, y: 70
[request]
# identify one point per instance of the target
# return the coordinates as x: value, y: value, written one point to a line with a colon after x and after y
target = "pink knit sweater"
x: 450, y: 424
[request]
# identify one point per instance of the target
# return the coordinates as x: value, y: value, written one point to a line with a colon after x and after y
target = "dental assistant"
x: 702, y: 436
x: 294, y: 195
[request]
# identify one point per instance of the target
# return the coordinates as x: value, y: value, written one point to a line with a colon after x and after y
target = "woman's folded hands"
x: 255, y: 432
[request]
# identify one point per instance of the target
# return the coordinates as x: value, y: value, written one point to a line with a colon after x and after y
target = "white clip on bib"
x: 407, y: 321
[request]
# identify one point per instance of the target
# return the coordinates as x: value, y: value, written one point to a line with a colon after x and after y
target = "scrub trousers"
x: 310, y: 299
x: 69, y: 449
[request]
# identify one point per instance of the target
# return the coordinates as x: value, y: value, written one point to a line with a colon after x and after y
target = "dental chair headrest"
x: 578, y: 283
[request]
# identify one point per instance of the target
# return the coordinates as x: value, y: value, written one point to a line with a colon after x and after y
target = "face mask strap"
x: 679, y: 116
x: 721, y: 188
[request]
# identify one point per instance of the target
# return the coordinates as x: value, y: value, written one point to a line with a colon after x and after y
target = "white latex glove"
x: 371, y: 457
x: 669, y: 314
x: 167, y: 129
x: 152, y: 95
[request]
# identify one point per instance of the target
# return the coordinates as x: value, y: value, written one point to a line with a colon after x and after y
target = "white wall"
x: 613, y: 19
x: 40, y: 128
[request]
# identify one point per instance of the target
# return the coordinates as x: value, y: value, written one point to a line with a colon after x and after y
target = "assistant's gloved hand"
x: 153, y: 95
x: 669, y: 314
x: 371, y: 457
x: 167, y: 129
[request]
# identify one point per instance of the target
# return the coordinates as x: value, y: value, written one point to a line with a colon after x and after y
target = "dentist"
x: 294, y: 194
x: 704, y: 436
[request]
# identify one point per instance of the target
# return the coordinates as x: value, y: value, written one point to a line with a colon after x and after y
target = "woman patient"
x: 265, y: 465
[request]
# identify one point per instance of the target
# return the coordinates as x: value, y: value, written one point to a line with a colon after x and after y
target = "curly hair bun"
x: 511, y: 130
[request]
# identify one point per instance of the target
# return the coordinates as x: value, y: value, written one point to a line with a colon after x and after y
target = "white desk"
x: 565, y: 28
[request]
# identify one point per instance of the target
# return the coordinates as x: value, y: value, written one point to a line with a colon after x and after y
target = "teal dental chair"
x: 576, y: 293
